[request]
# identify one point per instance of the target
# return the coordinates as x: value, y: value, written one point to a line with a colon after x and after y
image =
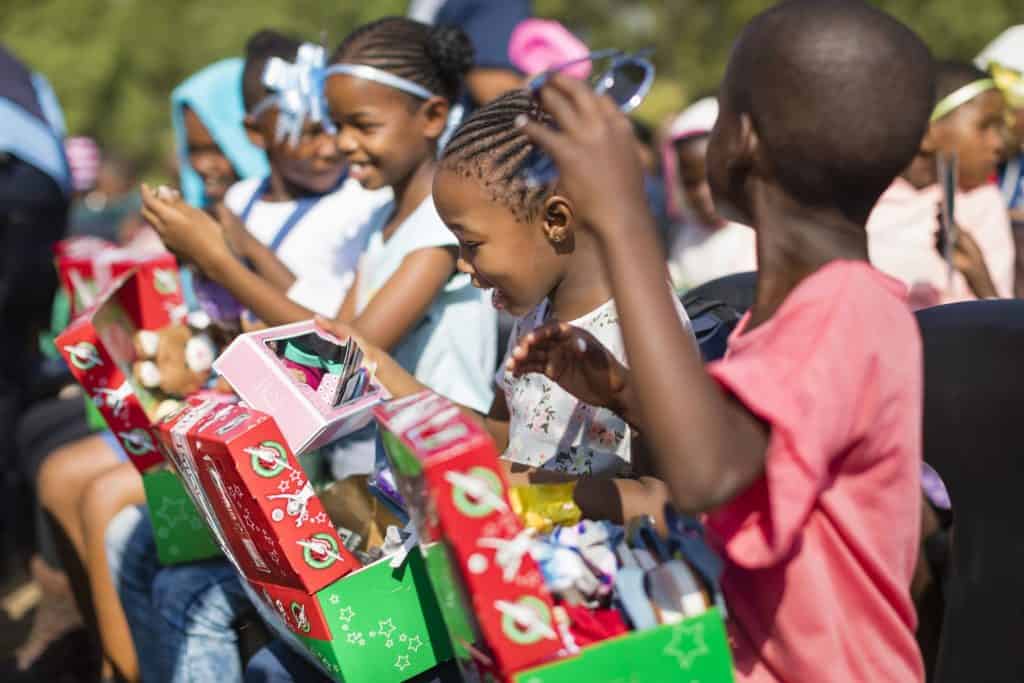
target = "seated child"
x: 803, y: 445
x: 967, y: 120
x: 702, y: 246
x: 1004, y: 59
x: 525, y: 245
x: 85, y: 484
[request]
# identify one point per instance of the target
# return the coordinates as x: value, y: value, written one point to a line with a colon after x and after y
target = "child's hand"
x: 234, y: 230
x: 577, y: 361
x: 185, y: 230
x: 968, y: 259
x: 596, y: 154
x: 344, y: 331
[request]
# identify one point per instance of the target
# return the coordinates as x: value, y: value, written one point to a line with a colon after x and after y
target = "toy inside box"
x: 589, y: 601
x: 108, y: 349
x: 363, y: 618
x: 315, y: 384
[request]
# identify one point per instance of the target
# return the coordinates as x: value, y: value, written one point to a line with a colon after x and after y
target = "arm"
x: 263, y: 260
x: 724, y: 449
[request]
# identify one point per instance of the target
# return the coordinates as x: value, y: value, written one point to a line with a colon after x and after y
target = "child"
x: 389, y: 92
x: 1004, y: 59
x: 525, y: 245
x: 705, y: 246
x: 85, y: 484
x: 803, y: 445
x: 968, y: 120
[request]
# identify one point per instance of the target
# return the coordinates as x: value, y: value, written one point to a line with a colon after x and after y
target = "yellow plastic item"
x: 544, y: 506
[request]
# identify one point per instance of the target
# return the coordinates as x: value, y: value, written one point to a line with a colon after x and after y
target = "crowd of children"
x: 343, y: 187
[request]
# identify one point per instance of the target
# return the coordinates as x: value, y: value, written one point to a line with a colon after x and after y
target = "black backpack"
x: 712, y: 322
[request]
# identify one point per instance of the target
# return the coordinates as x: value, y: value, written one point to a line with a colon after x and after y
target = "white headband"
x: 371, y: 73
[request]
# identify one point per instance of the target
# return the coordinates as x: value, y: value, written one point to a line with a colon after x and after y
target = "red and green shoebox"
x: 363, y: 624
x: 75, y: 261
x: 99, y: 349
x: 425, y: 440
x: 450, y: 476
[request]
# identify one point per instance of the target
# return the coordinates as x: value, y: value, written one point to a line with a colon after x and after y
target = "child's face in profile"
x: 314, y: 164
x: 379, y: 130
x: 726, y: 180
x: 206, y: 157
x: 691, y: 155
x: 976, y: 132
x: 499, y: 251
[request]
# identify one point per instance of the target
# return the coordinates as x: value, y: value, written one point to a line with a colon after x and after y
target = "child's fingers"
x: 576, y: 92
x: 551, y: 141
x: 557, y: 103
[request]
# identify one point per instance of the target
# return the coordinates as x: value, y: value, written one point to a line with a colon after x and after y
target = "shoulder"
x: 239, y: 194
x: 423, y: 229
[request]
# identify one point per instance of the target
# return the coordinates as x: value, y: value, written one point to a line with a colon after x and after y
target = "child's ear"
x: 253, y: 132
x: 932, y: 140
x: 557, y: 217
x: 434, y: 113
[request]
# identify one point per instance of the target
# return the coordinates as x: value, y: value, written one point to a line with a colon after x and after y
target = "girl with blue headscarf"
x: 86, y: 485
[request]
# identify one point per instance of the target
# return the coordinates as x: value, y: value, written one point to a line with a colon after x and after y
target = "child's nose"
x: 462, y: 265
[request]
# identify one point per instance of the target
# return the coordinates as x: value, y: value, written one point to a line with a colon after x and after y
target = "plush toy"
x: 176, y: 360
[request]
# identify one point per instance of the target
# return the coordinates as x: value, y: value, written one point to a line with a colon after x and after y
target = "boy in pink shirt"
x: 902, y: 229
x: 803, y: 445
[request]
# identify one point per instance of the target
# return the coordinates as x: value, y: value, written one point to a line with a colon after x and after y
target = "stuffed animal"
x: 176, y: 361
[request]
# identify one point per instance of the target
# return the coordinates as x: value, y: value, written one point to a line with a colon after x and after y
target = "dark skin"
x: 525, y: 261
x: 691, y: 155
x: 705, y: 467
x: 387, y: 138
x: 206, y: 157
x: 975, y: 133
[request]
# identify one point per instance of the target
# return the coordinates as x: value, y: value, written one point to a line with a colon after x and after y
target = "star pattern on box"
x: 402, y: 663
x: 274, y: 557
x: 297, y: 478
x: 283, y: 486
x: 236, y: 493
x: 386, y: 628
x: 172, y: 511
x: 346, y: 613
x: 319, y: 518
x: 335, y: 599
x: 414, y: 643
x: 687, y: 644
x: 355, y: 638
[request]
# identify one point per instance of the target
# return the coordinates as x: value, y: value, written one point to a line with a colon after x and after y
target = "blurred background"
x: 113, y: 63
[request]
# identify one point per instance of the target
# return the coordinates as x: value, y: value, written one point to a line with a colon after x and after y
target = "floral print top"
x: 551, y: 429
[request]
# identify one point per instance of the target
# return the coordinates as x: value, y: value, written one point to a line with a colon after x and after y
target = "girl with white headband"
x: 968, y: 121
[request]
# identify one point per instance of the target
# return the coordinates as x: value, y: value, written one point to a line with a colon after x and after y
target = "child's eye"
x: 471, y: 245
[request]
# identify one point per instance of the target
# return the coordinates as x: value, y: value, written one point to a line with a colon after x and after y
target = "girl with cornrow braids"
x: 524, y: 244
x: 388, y: 92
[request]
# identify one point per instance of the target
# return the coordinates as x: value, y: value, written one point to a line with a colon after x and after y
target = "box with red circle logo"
x: 99, y: 349
x: 254, y: 494
x: 449, y: 472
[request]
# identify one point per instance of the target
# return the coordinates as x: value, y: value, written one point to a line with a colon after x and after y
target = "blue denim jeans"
x: 182, y: 618
x: 131, y: 554
x: 279, y: 663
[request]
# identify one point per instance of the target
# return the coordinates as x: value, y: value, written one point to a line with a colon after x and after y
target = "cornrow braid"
x: 490, y: 148
x: 436, y: 57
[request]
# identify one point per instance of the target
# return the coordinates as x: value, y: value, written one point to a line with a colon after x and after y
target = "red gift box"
x: 458, y: 488
x: 98, y: 347
x: 75, y: 259
x: 255, y: 495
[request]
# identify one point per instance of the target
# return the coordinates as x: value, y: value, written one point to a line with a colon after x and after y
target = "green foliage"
x: 113, y: 63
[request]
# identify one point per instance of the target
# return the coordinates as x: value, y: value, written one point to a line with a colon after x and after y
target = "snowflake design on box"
x: 335, y: 599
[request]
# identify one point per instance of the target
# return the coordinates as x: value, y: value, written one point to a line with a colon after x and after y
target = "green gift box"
x: 694, y: 650
x: 180, y: 533
x: 379, y: 623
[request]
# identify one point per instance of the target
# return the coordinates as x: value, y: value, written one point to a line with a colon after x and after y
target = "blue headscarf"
x: 215, y: 95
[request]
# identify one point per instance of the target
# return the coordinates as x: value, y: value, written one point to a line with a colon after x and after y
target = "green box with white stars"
x: 692, y: 651
x: 378, y: 624
x: 180, y: 533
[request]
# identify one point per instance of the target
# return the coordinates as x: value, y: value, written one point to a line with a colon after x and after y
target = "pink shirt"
x: 901, y: 240
x: 820, y: 551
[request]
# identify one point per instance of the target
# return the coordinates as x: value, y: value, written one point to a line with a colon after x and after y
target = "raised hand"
x: 578, y: 362
x: 190, y: 233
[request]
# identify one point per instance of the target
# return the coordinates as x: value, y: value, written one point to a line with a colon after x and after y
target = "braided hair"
x: 436, y: 57
x: 490, y: 148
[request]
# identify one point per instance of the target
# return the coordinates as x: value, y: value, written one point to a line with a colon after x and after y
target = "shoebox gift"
x: 450, y: 477
x: 178, y: 529
x: 315, y: 384
x: 75, y: 261
x: 101, y: 352
x: 255, y: 495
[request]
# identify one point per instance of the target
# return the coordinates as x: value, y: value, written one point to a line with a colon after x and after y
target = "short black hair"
x: 951, y: 75
x: 436, y: 57
x: 489, y: 147
x: 839, y: 93
x: 259, y: 49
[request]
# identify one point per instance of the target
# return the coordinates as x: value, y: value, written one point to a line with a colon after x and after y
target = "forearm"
x: 703, y: 445
x: 267, y: 264
x: 253, y: 291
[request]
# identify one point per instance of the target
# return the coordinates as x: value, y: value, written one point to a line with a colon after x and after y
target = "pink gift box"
x: 306, y: 420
